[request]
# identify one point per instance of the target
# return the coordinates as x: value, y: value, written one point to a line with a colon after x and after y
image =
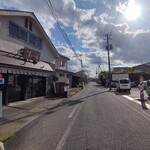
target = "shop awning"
x: 9, y: 64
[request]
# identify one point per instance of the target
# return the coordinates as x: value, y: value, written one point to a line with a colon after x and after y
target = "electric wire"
x: 61, y: 28
x: 116, y: 19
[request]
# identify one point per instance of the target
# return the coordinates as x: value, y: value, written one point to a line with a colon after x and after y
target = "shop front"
x: 24, y: 80
x: 22, y: 87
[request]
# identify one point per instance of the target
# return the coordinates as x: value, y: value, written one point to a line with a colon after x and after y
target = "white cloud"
x: 131, y: 45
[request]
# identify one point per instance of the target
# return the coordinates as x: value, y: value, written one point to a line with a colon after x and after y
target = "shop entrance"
x: 15, y: 88
x: 35, y: 87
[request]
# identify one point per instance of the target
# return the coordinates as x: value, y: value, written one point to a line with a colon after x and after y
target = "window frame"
x: 38, y: 43
x: 63, y: 63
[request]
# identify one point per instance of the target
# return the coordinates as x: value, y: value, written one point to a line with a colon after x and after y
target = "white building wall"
x: 9, y: 44
x: 58, y: 64
x: 62, y: 79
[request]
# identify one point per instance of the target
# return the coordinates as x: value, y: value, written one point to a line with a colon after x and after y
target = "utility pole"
x: 81, y: 71
x: 96, y: 73
x: 108, y: 48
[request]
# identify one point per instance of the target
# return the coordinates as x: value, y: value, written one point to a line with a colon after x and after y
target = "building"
x: 62, y: 72
x: 142, y: 68
x: 64, y: 78
x: 27, y: 56
x: 121, y: 69
x: 79, y: 78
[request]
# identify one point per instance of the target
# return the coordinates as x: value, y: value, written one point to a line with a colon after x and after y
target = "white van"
x: 123, y: 85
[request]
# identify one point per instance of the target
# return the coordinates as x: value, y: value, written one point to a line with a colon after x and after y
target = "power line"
x: 61, y: 27
x: 116, y: 19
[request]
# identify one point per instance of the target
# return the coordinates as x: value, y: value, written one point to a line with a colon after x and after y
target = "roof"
x: 79, y: 73
x: 120, y: 68
x: 4, y: 12
x: 9, y: 60
x: 64, y: 57
x: 145, y: 64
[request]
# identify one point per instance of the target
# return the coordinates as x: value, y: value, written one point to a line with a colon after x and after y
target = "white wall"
x: 58, y: 63
x: 10, y: 44
x: 62, y: 79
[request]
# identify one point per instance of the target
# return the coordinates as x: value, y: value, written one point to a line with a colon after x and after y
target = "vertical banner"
x: 0, y: 104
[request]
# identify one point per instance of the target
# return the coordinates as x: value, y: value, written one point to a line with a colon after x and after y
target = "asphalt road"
x: 93, y: 119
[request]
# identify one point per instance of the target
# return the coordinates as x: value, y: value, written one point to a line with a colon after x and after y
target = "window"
x: 63, y: 63
x: 30, y: 25
x: 23, y: 35
x: 39, y: 43
x: 36, y: 41
x: 124, y: 81
x: 14, y: 30
x: 32, y: 39
x: 61, y: 75
x: 26, y: 23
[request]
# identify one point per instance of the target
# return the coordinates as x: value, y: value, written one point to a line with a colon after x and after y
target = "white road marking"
x: 66, y: 134
x: 73, y: 111
x: 133, y: 100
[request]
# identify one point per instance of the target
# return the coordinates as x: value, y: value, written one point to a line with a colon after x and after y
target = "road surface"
x: 93, y: 119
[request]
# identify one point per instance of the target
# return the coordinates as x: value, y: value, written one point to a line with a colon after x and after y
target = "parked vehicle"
x: 133, y: 84
x: 113, y: 84
x: 123, y: 84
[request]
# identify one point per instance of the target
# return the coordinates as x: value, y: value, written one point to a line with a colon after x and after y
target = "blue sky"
x: 86, y: 21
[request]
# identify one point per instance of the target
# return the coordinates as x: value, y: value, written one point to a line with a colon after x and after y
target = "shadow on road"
x: 95, y: 94
x: 27, y: 113
x: 76, y: 101
x: 17, y: 107
x: 122, y: 93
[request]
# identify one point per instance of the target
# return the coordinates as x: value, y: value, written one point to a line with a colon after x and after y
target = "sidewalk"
x: 17, y: 115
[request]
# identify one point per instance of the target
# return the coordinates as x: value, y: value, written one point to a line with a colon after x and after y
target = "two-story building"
x: 64, y: 77
x: 62, y: 69
x: 27, y: 56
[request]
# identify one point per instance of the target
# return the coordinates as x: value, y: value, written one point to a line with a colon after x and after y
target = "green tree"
x: 103, y: 75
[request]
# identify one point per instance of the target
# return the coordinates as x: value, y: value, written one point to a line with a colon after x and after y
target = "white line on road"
x: 66, y: 134
x: 73, y: 111
x: 133, y: 100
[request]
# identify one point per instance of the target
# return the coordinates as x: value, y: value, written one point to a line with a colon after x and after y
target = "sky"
x: 86, y: 22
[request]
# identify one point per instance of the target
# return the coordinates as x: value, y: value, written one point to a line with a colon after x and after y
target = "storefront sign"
x: 31, y: 54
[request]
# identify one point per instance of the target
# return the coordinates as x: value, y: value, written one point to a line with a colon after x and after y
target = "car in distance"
x: 123, y: 85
